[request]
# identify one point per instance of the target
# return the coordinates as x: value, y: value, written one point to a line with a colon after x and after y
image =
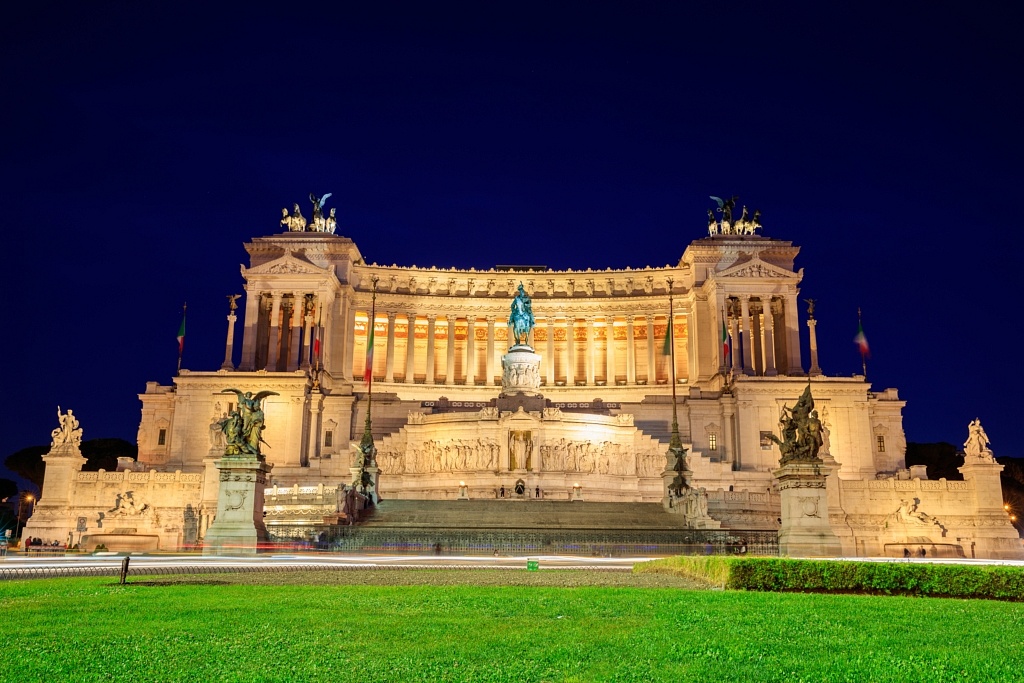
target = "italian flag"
x: 862, y: 342
x: 725, y: 341
x: 181, y: 335
x: 368, y: 372
x: 667, y: 349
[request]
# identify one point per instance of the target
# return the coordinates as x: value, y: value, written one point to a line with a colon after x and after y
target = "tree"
x: 8, y: 488
x: 98, y: 453
x: 942, y: 459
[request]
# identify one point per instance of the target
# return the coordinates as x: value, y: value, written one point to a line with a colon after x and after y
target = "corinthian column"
x: 431, y: 323
x: 550, y: 360
x: 389, y: 362
x: 470, y: 350
x: 490, y: 350
x: 410, y: 348
x: 230, y: 343
x: 275, y: 332
x: 570, y: 349
x: 630, y: 351
x: 449, y: 375
x: 609, y: 355
x: 652, y: 370
x: 590, y: 351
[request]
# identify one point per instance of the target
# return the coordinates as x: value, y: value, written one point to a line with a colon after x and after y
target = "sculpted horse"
x: 521, y: 320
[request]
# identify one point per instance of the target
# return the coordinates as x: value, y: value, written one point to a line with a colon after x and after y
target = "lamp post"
x: 22, y: 499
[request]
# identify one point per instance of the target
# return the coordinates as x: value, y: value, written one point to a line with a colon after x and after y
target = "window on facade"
x: 161, y: 438
x: 712, y: 442
x: 881, y: 443
x: 329, y: 439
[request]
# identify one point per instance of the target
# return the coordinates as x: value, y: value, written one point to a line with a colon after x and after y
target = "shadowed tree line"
x: 99, y: 454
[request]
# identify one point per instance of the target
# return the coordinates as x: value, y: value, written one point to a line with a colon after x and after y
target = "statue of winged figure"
x: 725, y: 207
x: 243, y: 427
x: 319, y: 223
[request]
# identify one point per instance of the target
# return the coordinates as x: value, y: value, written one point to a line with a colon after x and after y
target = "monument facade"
x: 567, y: 395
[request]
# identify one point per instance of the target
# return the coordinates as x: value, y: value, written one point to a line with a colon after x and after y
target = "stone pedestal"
x: 238, y: 527
x: 806, y: 531
x: 520, y: 371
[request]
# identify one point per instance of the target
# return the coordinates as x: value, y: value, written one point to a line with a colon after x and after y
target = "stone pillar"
x: 590, y: 351
x: 609, y: 356
x: 570, y: 350
x: 755, y: 336
x: 410, y: 348
x: 274, y: 336
x: 238, y: 528
x: 652, y: 369
x: 769, y: 340
x: 470, y: 350
x: 389, y: 361
x: 295, y: 347
x: 490, y: 350
x: 806, y: 530
x: 630, y: 352
x: 229, y: 345
x: 431, y: 323
x: 449, y: 373
x: 811, y: 325
x: 550, y: 360
x: 252, y: 317
x: 307, y: 337
x: 734, y: 341
x: 791, y: 316
x: 748, y: 364
x: 313, y: 433
x: 347, y: 342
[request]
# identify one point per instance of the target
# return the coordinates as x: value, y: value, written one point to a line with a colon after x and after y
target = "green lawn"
x: 511, y: 626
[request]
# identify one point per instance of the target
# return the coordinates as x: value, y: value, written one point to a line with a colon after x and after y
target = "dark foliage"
x: 942, y: 459
x: 99, y: 454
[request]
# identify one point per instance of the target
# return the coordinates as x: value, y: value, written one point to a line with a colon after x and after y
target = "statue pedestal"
x: 238, y: 527
x: 806, y: 531
x: 520, y: 371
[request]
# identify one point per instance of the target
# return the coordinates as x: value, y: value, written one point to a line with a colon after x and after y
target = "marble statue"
x: 233, y: 302
x: 725, y: 207
x: 801, y: 431
x: 125, y: 505
x: 68, y: 433
x: 286, y: 220
x: 319, y: 223
x: 296, y: 222
x: 977, y: 444
x: 521, y: 319
x: 243, y: 427
x: 332, y: 222
x: 907, y: 513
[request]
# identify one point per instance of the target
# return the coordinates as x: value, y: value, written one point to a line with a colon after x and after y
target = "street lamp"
x: 22, y: 499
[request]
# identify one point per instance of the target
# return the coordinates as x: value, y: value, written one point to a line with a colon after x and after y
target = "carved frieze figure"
x: 68, y: 433
x: 243, y: 427
x: 126, y: 505
x: 801, y: 431
x: 907, y: 513
x: 977, y: 444
x: 521, y: 319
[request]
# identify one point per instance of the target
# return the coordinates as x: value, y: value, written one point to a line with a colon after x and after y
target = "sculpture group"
x: 744, y: 225
x: 801, y: 431
x: 68, y: 434
x: 521, y: 318
x: 296, y: 222
x: 243, y: 427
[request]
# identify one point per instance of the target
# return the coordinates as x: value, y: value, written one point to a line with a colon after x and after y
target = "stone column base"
x: 238, y: 528
x: 806, y: 531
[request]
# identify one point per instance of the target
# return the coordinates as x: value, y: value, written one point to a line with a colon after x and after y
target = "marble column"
x: 274, y: 336
x: 734, y: 341
x: 490, y: 350
x: 748, y: 365
x: 229, y: 345
x: 313, y: 434
x: 410, y: 348
x: 652, y: 369
x: 449, y: 372
x: 431, y: 323
x: 252, y: 317
x: 589, y: 358
x: 470, y: 350
x: 570, y: 349
x: 307, y: 337
x: 812, y: 324
x: 792, y: 317
x: 295, y: 345
x: 769, y: 341
x: 630, y: 352
x: 609, y: 355
x: 550, y: 360
x: 347, y: 342
x: 755, y: 335
x: 389, y: 359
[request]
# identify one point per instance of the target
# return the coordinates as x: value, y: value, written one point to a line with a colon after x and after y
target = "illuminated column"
x: 589, y: 358
x: 470, y: 350
x: 313, y: 435
x: 769, y: 341
x: 347, y: 343
x: 652, y: 373
x: 609, y: 355
x: 734, y: 327
x: 307, y: 323
x: 431, y: 322
x: 389, y: 359
x: 755, y: 337
x: 490, y: 350
x: 295, y: 348
x: 275, y: 332
x: 551, y: 352
x: 792, y: 317
x: 570, y: 348
x: 811, y: 325
x: 449, y: 374
x: 692, y: 339
x: 630, y: 352
x: 252, y: 316
x: 748, y: 367
x: 230, y: 343
x: 410, y: 348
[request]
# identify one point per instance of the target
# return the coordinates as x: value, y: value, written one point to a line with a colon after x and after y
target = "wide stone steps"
x: 533, y: 515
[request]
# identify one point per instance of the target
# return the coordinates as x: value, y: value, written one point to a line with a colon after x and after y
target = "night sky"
x: 145, y: 142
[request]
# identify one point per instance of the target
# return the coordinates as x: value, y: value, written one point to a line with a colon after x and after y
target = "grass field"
x: 490, y: 626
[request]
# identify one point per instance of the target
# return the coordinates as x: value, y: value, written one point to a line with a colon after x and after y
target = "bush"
x: 840, y: 576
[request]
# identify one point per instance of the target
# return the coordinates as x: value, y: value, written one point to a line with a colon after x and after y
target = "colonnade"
x: 594, y: 350
x: 764, y: 337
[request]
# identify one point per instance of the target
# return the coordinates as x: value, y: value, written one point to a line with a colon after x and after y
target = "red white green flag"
x: 368, y: 372
x: 725, y: 341
x: 666, y: 350
x: 181, y: 335
x: 862, y: 342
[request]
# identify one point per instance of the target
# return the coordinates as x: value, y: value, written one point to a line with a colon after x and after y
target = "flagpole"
x: 366, y: 446
x: 675, y: 444
x: 181, y: 337
x: 863, y: 356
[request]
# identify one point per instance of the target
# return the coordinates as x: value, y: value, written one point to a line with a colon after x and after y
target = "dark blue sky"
x: 145, y: 142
